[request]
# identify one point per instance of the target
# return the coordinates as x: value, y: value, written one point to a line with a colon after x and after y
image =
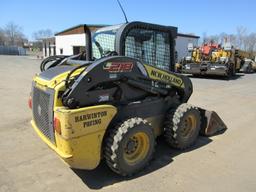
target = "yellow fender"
x: 82, y: 131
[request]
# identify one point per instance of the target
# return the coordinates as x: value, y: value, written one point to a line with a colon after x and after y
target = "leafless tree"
x: 233, y: 40
x: 41, y: 34
x: 241, y: 40
x: 250, y: 42
x: 13, y: 34
x: 213, y: 38
x: 241, y: 35
x: 2, y: 37
x: 222, y: 37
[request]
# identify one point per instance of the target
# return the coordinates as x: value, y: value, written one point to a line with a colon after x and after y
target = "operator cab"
x: 149, y: 43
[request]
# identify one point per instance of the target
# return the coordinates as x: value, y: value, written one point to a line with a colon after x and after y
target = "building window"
x: 78, y: 49
x: 61, y: 51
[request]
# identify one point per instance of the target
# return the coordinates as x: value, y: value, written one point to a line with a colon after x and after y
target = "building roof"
x: 188, y: 35
x: 78, y: 29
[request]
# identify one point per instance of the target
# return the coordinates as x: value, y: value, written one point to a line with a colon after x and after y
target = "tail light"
x: 30, y: 102
x: 57, y: 125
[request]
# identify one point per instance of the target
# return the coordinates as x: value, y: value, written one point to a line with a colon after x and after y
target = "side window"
x: 149, y: 46
x: 102, y: 43
x: 130, y: 48
x: 162, y: 51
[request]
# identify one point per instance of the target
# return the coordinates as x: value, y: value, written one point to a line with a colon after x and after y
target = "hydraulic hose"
x: 67, y: 81
x: 54, y: 60
x: 59, y: 60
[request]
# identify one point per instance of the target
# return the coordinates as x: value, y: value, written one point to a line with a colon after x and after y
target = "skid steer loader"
x: 112, y: 101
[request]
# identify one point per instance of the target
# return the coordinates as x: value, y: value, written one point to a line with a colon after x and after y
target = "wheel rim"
x: 189, y: 125
x: 136, y: 148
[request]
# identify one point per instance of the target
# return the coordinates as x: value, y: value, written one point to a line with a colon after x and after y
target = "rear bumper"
x: 82, y: 132
x: 62, y: 154
x: 76, y: 153
x: 206, y: 69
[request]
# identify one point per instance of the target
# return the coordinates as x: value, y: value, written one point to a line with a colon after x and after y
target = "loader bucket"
x: 211, y: 123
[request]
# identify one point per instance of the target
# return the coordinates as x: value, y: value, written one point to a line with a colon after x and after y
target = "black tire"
x: 177, y: 132
x: 124, y: 142
x: 249, y: 69
x: 231, y: 71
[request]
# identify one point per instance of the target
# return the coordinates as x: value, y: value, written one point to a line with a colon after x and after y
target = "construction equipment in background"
x: 114, y: 100
x: 212, y: 59
x: 248, y: 66
x: 178, y: 67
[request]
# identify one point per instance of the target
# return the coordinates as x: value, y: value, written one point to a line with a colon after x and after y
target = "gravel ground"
x: 224, y: 162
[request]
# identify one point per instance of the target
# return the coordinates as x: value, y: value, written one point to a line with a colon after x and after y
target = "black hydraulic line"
x: 55, y: 59
x: 58, y: 60
x: 71, y: 72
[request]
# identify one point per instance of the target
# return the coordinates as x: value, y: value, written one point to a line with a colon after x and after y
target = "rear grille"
x: 43, y: 111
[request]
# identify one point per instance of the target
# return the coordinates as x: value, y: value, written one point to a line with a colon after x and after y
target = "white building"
x: 72, y: 41
x: 182, y: 42
x: 49, y: 47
